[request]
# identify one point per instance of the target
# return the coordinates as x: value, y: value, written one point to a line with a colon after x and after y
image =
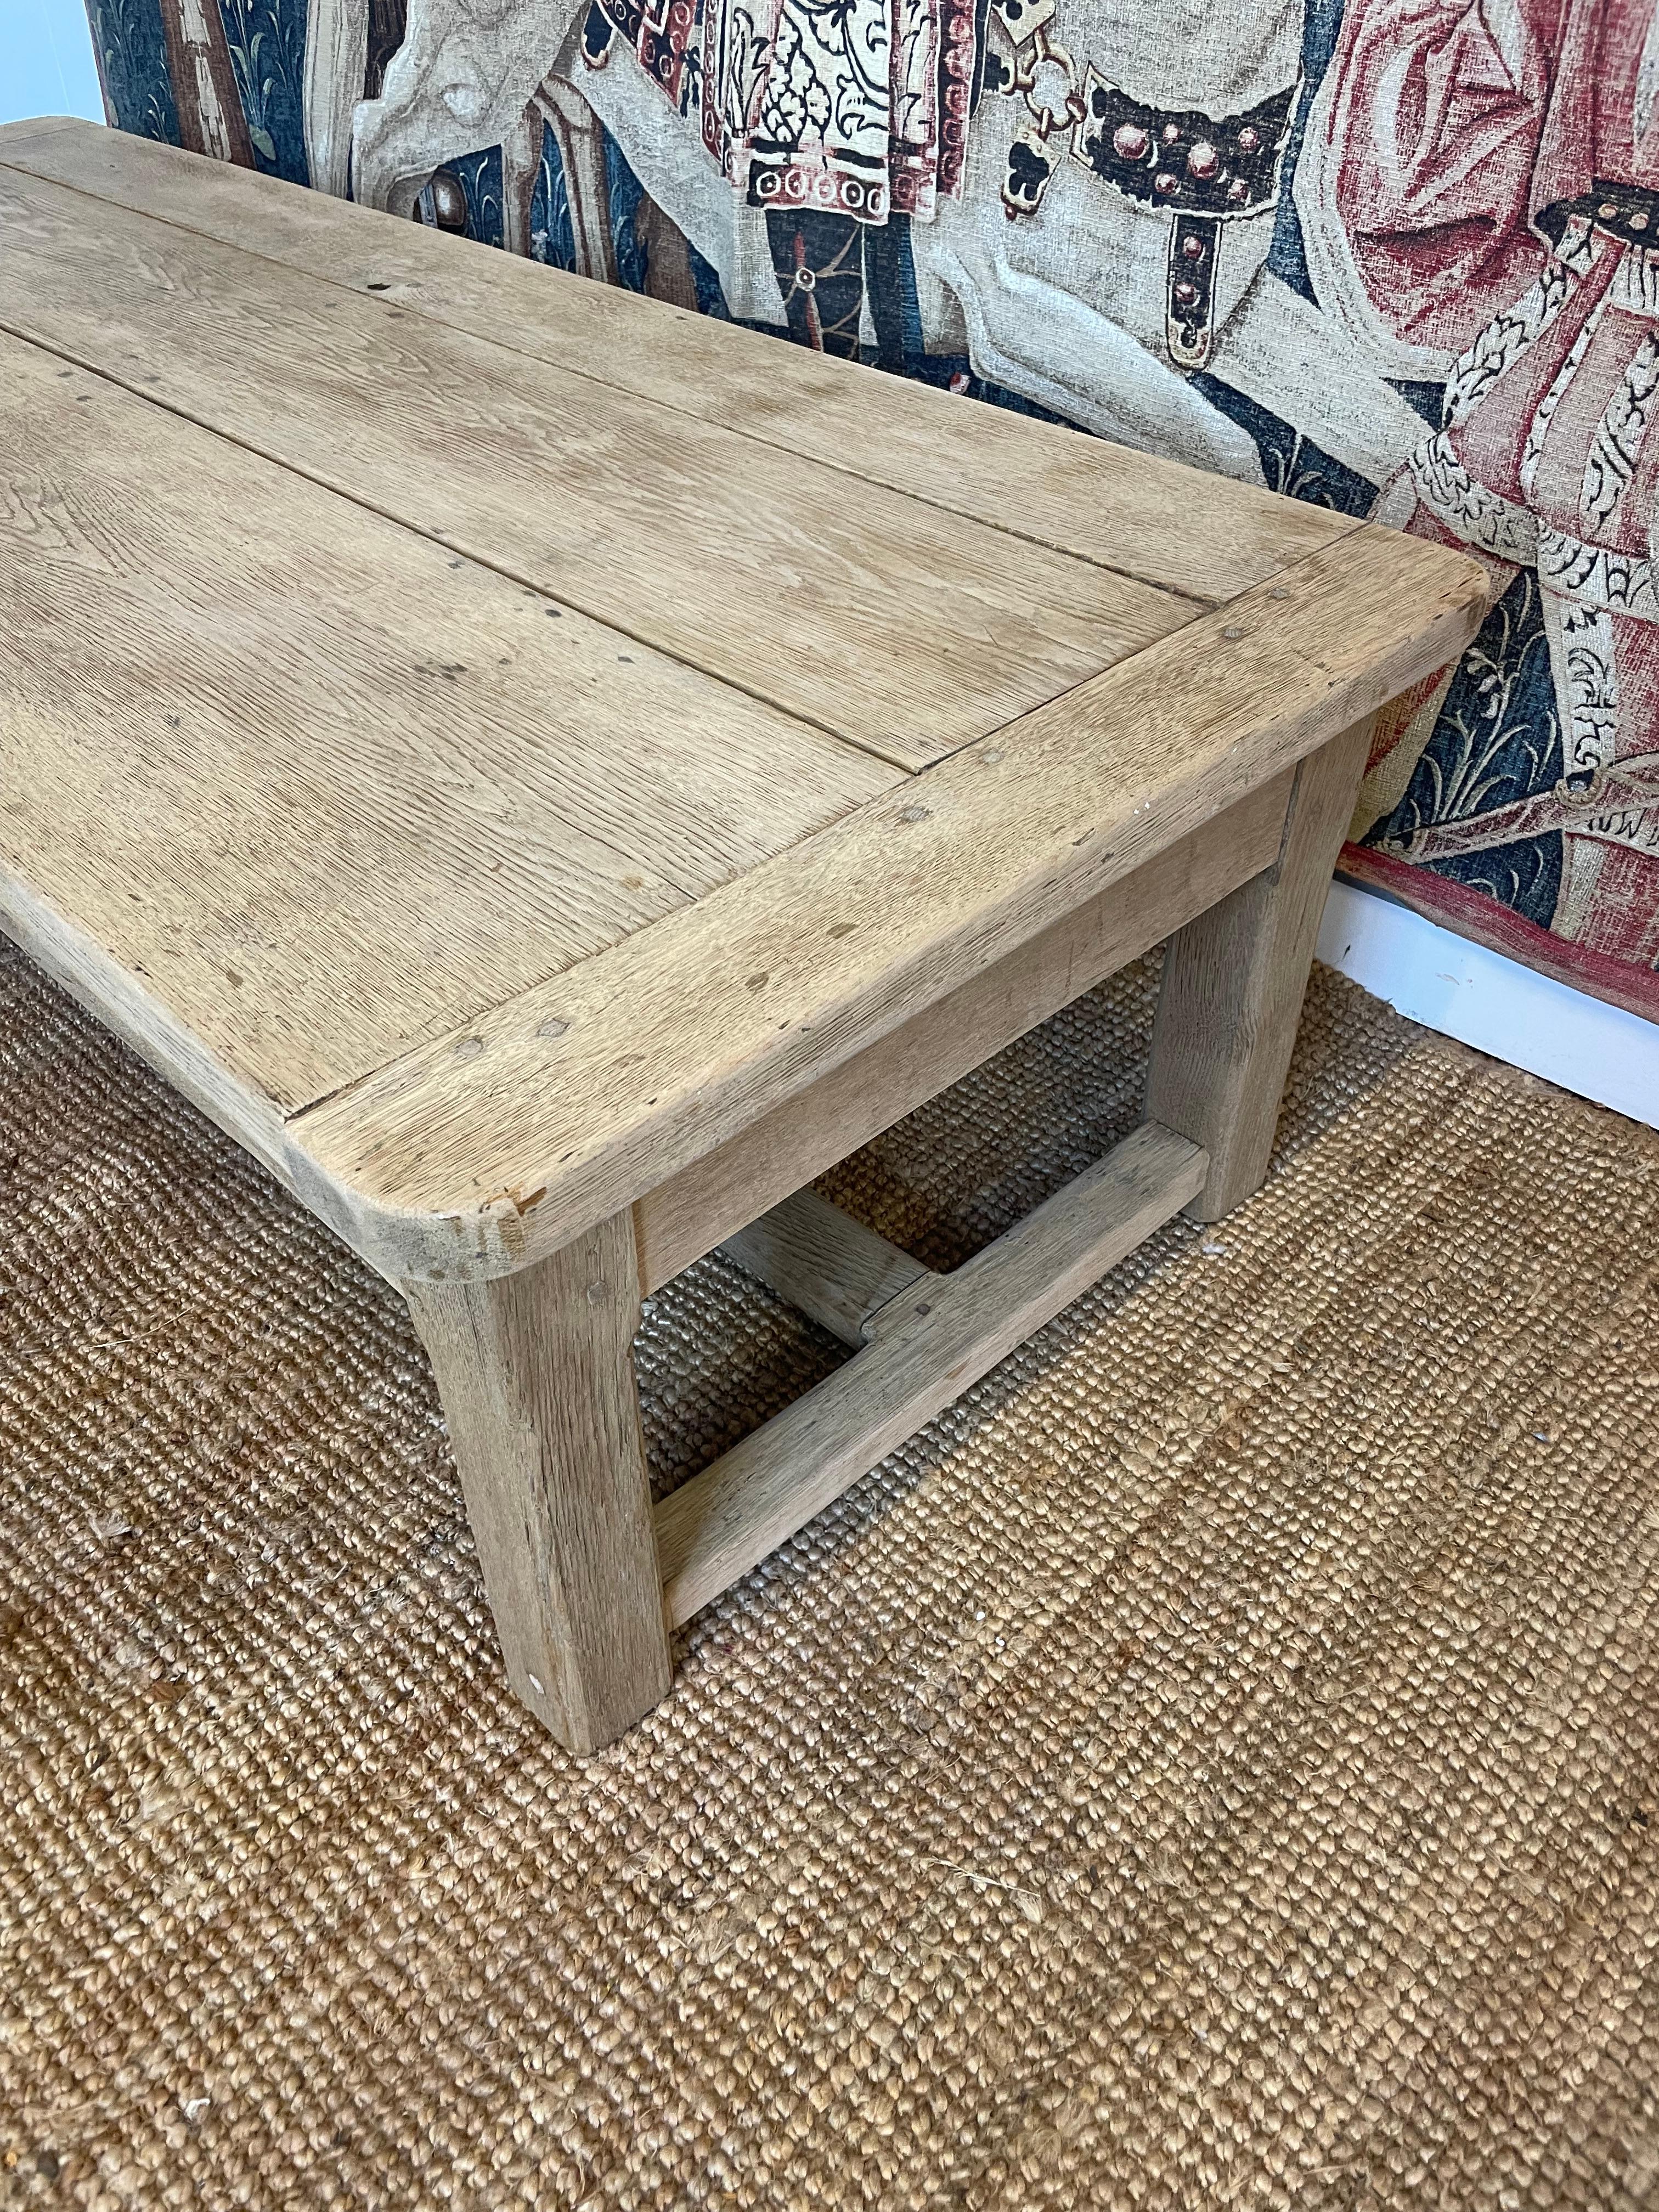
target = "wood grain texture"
x: 1233, y: 983
x: 694, y: 1211
x: 536, y: 1378
x: 681, y: 1036
x: 347, y: 789
x: 904, y: 631
x: 484, y: 932
x: 833, y: 1268
x: 722, y: 1522
x: 1042, y: 481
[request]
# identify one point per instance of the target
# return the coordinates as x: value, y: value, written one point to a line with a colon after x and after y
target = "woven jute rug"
x: 1213, y: 1766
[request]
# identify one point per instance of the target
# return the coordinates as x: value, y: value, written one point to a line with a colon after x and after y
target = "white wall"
x: 46, y: 66
x: 1493, y: 1003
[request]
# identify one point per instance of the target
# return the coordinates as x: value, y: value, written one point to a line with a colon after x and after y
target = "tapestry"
x: 1400, y: 257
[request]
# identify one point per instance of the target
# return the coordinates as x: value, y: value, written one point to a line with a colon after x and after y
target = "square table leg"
x: 535, y: 1370
x: 1234, y: 980
x: 535, y: 1374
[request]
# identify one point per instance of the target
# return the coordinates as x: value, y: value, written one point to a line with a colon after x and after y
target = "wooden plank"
x: 695, y: 1210
x: 722, y: 1522
x: 676, y: 1040
x: 536, y: 1378
x: 125, y: 1005
x: 905, y: 631
x: 348, y: 789
x: 1040, y: 481
x: 715, y: 1195
x: 834, y: 1269
x: 27, y: 138
x: 1233, y: 983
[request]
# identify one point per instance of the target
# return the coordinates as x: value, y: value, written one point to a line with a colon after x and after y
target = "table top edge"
x: 520, y: 1220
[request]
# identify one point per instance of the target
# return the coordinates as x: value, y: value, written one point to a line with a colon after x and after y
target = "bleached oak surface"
x: 908, y: 436
x: 822, y: 1261
x: 536, y: 1377
x: 550, y: 776
x: 943, y: 1334
x: 1234, y: 979
x: 668, y: 1043
x: 799, y: 585
x: 297, y: 728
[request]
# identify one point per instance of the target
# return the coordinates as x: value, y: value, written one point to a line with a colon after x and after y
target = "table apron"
x: 727, y: 1189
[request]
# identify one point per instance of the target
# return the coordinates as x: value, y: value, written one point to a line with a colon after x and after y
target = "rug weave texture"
x: 1216, y: 1764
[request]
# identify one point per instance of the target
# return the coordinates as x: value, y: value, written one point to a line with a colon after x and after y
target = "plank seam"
x: 181, y: 414
x: 1202, y: 604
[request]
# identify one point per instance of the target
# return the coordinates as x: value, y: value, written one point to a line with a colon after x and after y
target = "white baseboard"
x: 1482, y: 998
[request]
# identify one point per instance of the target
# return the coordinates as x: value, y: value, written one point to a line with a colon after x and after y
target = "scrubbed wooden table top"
x: 487, y: 736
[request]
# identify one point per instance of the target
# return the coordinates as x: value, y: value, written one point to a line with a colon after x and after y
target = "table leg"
x: 535, y: 1374
x: 1233, y: 984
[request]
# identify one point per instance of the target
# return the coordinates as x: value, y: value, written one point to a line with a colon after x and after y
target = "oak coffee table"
x: 551, y: 775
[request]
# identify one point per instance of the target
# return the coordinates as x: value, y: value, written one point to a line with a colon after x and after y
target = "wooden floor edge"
x: 726, y: 1520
